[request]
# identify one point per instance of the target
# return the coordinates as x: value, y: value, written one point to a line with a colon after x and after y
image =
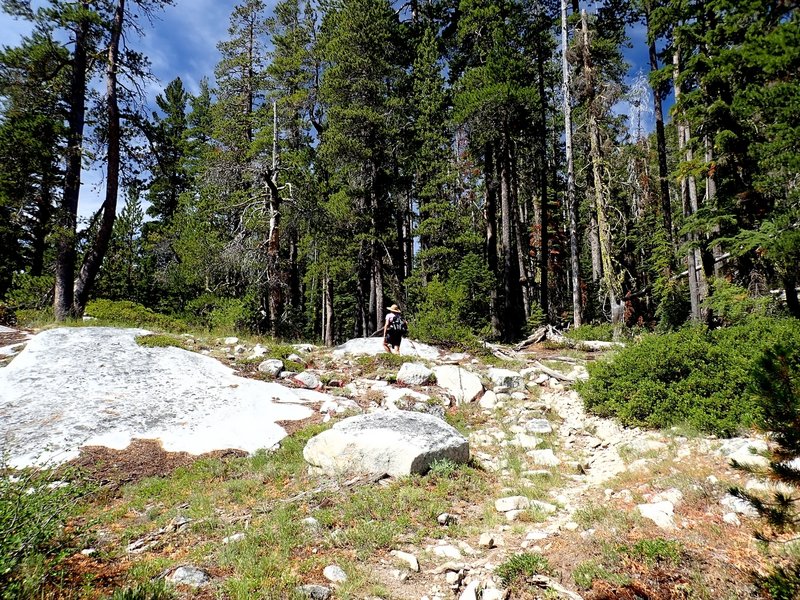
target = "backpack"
x: 399, y: 324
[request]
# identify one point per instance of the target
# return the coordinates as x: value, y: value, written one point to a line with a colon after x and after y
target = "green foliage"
x: 34, y: 506
x: 220, y: 314
x: 151, y: 590
x: 692, y: 376
x: 30, y: 292
x: 520, y: 566
x: 602, y: 332
x: 732, y: 304
x: 155, y: 340
x: 128, y: 313
x: 450, y: 313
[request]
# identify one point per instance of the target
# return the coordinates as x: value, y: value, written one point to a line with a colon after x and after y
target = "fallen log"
x: 537, y: 336
x: 553, y: 373
x: 593, y: 345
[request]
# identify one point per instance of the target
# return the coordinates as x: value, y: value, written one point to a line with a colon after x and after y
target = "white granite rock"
x: 463, y: 385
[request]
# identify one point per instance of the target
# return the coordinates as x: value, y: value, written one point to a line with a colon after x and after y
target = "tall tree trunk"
x: 510, y: 276
x: 612, y: 280
x: 490, y: 215
x: 327, y: 321
x: 661, y: 138
x: 697, y: 281
x: 544, y: 212
x: 94, y: 257
x: 571, y: 199
x: 68, y: 214
x: 274, y: 279
x: 594, y: 248
x: 377, y: 278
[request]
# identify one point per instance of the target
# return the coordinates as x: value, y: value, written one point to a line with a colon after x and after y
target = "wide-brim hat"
x: 394, y: 308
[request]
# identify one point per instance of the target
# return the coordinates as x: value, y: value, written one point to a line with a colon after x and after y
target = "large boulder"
x: 460, y: 383
x: 414, y: 374
x: 396, y: 443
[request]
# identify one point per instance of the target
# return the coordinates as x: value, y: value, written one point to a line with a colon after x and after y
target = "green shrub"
x: 30, y: 292
x: 128, y: 313
x: 733, y: 305
x: 220, y: 313
x: 587, y: 572
x: 692, y: 376
x: 521, y: 566
x: 34, y: 505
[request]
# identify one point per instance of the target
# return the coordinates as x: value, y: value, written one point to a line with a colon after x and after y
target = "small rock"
x: 513, y: 515
x: 334, y: 574
x: 447, y: 551
x: 453, y: 578
x: 660, y: 513
x: 488, y: 400
x: 296, y: 358
x: 511, y: 503
x: 414, y: 374
x: 236, y: 537
x: 470, y: 592
x: 88, y: 551
x: 230, y: 341
x: 673, y: 495
x: 492, y: 594
x: 189, y: 575
x: 271, y: 366
x: 541, y: 426
x: 445, y: 519
x: 486, y: 541
x: 258, y: 351
x: 407, y: 558
x: 315, y: 592
x: 505, y: 378
x: 536, y: 535
x: 308, y: 380
x: 544, y: 458
x: 311, y: 523
x: 731, y: 519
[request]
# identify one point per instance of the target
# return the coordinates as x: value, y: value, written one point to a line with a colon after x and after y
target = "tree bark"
x: 571, y: 199
x: 68, y: 213
x: 328, y: 313
x: 612, y: 280
x: 94, y: 257
x: 490, y: 215
x: 697, y: 281
x: 544, y: 213
x: 510, y: 275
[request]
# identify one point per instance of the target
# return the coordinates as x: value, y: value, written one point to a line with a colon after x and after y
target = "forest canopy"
x: 466, y: 160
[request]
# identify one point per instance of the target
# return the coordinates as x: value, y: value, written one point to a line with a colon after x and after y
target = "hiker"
x: 394, y: 329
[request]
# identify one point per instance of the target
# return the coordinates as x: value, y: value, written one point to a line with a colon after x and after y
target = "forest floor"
x: 260, y: 526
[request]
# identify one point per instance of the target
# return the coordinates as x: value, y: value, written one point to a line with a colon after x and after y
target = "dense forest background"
x: 463, y: 159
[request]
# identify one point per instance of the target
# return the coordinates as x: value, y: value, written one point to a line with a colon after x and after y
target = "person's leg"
x: 386, y: 346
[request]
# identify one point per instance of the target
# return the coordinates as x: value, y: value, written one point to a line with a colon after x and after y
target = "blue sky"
x: 182, y: 43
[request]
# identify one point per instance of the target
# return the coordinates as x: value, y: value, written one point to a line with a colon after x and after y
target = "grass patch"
x: 519, y: 567
x: 655, y: 551
x: 588, y: 572
x: 160, y: 340
x: 149, y: 590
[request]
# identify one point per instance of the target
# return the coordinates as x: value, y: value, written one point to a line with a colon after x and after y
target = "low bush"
x: 694, y: 376
x: 8, y: 316
x: 128, y: 313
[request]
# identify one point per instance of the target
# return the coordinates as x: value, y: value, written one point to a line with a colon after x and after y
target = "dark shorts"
x: 393, y: 338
